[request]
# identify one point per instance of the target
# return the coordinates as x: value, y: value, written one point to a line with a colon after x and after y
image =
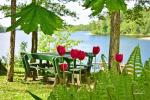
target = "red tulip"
x: 61, y: 50
x: 81, y: 55
x: 119, y: 57
x: 96, y: 50
x: 64, y: 67
x: 74, y: 53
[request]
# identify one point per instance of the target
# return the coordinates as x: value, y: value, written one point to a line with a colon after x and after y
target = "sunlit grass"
x: 17, y: 90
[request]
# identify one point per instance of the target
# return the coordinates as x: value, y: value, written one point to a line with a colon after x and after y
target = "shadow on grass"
x: 40, y: 82
x: 19, y: 77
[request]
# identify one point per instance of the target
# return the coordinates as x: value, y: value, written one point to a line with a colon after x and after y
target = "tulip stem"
x: 73, y: 71
x: 80, y: 71
x: 63, y: 72
x: 95, y: 65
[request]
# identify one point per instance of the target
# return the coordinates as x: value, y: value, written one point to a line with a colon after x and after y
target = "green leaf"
x: 34, y: 16
x: 95, y: 5
x: 104, y: 64
x: 112, y: 5
x: 34, y: 96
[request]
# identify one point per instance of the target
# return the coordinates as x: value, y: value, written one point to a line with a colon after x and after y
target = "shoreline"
x: 144, y: 38
x: 141, y: 37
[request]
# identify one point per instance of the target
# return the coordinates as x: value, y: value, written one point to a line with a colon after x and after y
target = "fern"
x: 147, y: 64
x: 146, y: 79
x: 104, y: 64
x: 134, y: 65
x: 146, y: 70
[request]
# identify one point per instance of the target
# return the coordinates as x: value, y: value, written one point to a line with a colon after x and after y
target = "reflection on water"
x: 88, y: 41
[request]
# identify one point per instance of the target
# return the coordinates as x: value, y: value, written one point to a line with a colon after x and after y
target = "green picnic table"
x: 55, y: 60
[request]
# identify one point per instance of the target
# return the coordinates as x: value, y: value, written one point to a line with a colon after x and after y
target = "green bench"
x: 32, y: 68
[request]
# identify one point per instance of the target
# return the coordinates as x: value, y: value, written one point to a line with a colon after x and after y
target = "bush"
x: 3, y: 70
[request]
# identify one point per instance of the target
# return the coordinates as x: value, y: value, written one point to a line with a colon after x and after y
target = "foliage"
x: 108, y: 86
x: 2, y: 29
x: 80, y: 27
x: 134, y: 14
x: 147, y: 64
x: 6, y: 8
x: 3, y: 70
x: 128, y: 27
x: 58, y: 7
x: 133, y: 21
x: 3, y: 65
x: 97, y: 5
x: 104, y: 64
x: 100, y: 26
x: 32, y: 16
x: 34, y: 96
x: 146, y: 72
x: 4, y: 60
x: 18, y: 61
x: 44, y: 43
x: 18, y: 58
x: 63, y: 39
x: 23, y: 46
x: 49, y: 43
x: 95, y: 27
x: 134, y: 65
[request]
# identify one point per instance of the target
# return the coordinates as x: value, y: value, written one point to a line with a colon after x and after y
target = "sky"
x: 81, y: 12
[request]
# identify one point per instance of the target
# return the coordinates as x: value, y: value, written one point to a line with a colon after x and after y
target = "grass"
x: 17, y: 90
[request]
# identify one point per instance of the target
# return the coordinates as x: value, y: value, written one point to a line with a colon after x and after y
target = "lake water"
x: 88, y: 41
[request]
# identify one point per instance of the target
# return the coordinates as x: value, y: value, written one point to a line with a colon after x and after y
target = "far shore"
x: 145, y: 38
x: 140, y: 36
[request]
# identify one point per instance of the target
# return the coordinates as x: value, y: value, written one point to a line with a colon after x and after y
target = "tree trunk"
x: 12, y: 45
x: 114, y: 37
x: 34, y: 50
x: 34, y: 42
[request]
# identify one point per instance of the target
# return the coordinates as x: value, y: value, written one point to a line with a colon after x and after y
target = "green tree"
x: 114, y: 7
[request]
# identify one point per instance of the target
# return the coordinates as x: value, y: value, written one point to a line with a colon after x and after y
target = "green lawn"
x: 17, y: 90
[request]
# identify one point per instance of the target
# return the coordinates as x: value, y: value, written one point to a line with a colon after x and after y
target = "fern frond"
x: 134, y: 65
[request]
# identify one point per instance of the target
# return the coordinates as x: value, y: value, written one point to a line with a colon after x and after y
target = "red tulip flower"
x: 64, y: 67
x: 61, y: 50
x: 96, y: 50
x: 74, y: 53
x: 81, y: 55
x: 119, y: 57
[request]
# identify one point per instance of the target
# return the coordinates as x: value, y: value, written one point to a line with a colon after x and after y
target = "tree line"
x: 127, y: 27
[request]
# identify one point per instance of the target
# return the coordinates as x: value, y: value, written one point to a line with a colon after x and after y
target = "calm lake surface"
x: 87, y: 43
